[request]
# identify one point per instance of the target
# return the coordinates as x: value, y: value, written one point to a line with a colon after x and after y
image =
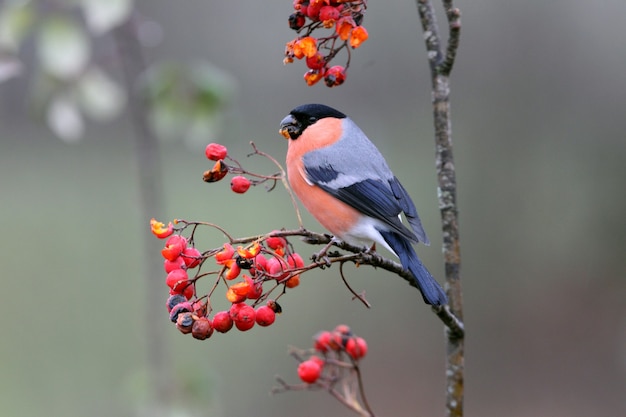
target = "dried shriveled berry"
x: 202, y: 328
x: 219, y: 171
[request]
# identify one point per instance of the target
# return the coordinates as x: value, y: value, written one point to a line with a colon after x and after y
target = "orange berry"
x: 358, y: 36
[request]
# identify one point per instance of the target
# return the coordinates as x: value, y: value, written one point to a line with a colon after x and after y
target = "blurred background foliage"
x: 540, y: 138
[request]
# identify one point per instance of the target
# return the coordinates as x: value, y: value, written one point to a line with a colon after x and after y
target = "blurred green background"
x: 538, y: 99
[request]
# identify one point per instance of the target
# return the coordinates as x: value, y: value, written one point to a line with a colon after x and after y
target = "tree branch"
x: 440, y: 67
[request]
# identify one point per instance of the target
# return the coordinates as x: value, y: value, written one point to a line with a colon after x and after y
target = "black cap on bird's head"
x: 292, y: 126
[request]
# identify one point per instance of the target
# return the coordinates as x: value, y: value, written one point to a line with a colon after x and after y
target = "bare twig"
x: 452, y: 315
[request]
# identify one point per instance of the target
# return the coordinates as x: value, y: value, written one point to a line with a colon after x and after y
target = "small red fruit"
x: 309, y: 371
x: 295, y: 260
x: 191, y: 257
x: 276, y: 267
x: 240, y: 184
x: 173, y: 300
x: 276, y: 242
x: 176, y: 277
x: 179, y: 309
x: 177, y: 263
x: 225, y: 254
x: 293, y: 282
x: 296, y: 21
x: 186, y: 288
x: 265, y: 316
x: 322, y: 341
x: 174, y: 246
x: 335, y: 76
x: 313, y: 76
x: 315, y: 62
x: 356, y: 347
x: 329, y: 14
x: 215, y: 151
x: 243, y: 315
x: 222, y: 322
x: 358, y: 36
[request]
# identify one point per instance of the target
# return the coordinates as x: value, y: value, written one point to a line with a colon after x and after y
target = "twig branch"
x: 440, y: 66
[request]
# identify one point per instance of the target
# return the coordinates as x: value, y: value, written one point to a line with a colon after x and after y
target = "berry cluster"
x: 344, y: 18
x: 263, y: 266
x: 239, y: 183
x: 330, y: 348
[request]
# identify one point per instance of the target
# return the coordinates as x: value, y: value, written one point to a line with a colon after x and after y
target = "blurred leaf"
x: 104, y: 15
x: 99, y: 96
x: 63, y: 47
x: 65, y: 120
x: 10, y: 67
x: 16, y: 20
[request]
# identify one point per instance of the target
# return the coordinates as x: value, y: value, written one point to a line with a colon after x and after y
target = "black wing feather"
x: 370, y: 197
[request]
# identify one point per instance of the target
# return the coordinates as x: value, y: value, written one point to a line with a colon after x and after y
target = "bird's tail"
x: 431, y: 290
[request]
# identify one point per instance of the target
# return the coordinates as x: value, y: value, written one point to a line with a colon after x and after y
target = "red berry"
x: 176, y: 277
x: 276, y: 267
x: 335, y: 76
x: 313, y: 11
x: 309, y: 371
x: 356, y: 347
x: 265, y: 316
x: 317, y: 359
x: 177, y: 263
x: 315, y: 62
x: 202, y: 328
x: 329, y: 13
x: 322, y: 341
x: 276, y: 242
x: 215, y: 151
x: 191, y: 257
x: 255, y: 288
x: 174, y: 246
x: 222, y: 322
x: 240, y: 184
x: 225, y: 254
x: 295, y: 260
x: 186, y: 288
x: 243, y: 315
x: 296, y: 21
x: 311, y: 77
x: 260, y: 264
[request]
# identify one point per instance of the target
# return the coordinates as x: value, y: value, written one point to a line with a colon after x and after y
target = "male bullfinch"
x: 344, y: 182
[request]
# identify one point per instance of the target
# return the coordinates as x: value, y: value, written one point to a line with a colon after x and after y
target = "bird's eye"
x: 312, y: 119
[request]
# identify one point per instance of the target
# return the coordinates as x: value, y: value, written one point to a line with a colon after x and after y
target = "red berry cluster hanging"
x: 331, y: 364
x: 343, y: 18
x: 250, y: 274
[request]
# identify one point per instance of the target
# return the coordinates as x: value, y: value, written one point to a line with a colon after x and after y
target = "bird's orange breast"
x: 336, y: 216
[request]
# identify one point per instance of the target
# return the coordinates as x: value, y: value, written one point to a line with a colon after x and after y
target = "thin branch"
x: 452, y: 315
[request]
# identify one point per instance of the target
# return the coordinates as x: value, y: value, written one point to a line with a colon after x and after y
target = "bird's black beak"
x: 290, y: 127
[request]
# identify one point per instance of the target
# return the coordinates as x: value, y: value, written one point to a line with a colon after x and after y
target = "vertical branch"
x: 151, y: 205
x: 440, y: 66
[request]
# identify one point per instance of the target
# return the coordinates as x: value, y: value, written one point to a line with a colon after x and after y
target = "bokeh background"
x: 539, y: 101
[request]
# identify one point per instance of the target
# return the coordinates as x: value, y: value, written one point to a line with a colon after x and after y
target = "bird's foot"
x: 322, y: 257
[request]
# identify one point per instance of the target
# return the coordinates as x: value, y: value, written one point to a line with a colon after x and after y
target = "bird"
x: 343, y: 180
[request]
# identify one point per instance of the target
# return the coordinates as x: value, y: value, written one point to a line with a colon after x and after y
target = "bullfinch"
x: 345, y: 183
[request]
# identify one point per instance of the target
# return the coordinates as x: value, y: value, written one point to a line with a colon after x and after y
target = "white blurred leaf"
x: 99, y: 96
x: 104, y: 15
x: 16, y: 20
x: 63, y: 47
x: 65, y: 120
x: 10, y: 67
